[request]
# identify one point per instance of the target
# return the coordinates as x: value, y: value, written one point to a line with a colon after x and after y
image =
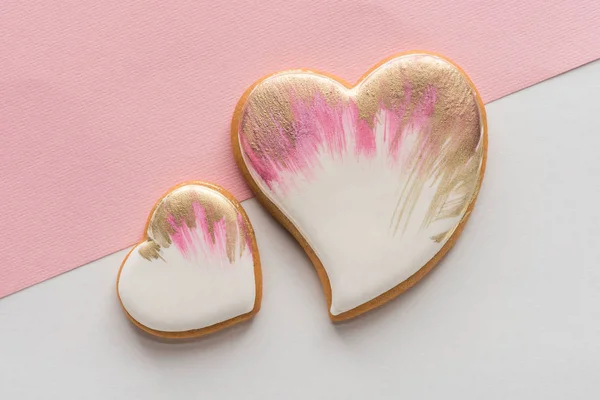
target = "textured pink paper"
x: 104, y: 105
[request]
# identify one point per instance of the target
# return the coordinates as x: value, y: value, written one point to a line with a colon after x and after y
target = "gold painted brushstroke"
x: 440, y: 237
x: 150, y: 250
x: 450, y: 152
x: 179, y: 205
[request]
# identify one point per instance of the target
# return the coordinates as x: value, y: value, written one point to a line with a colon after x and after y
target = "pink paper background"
x: 104, y: 105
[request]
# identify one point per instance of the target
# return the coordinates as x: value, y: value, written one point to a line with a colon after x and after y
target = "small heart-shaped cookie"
x: 197, y: 269
x: 375, y: 181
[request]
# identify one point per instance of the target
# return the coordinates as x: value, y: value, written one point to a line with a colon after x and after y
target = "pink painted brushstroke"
x: 364, y: 135
x: 324, y: 128
x: 217, y: 246
x: 188, y: 241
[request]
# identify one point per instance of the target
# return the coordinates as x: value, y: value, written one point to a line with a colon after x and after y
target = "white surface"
x: 513, y: 312
x: 356, y: 212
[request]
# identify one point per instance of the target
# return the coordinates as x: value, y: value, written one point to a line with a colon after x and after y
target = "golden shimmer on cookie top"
x: 190, y: 208
x: 197, y: 270
x: 375, y: 180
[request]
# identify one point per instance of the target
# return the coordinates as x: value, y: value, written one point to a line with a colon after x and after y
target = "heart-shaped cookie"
x: 376, y: 180
x: 197, y: 270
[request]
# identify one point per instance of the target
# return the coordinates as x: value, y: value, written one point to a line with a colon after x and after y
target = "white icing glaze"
x: 179, y: 295
x: 178, y: 292
x: 344, y: 215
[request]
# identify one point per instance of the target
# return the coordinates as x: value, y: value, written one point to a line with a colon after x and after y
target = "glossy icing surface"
x: 376, y: 178
x: 196, y: 268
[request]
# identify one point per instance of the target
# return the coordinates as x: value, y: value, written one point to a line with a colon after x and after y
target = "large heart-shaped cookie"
x: 197, y: 269
x: 376, y: 180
